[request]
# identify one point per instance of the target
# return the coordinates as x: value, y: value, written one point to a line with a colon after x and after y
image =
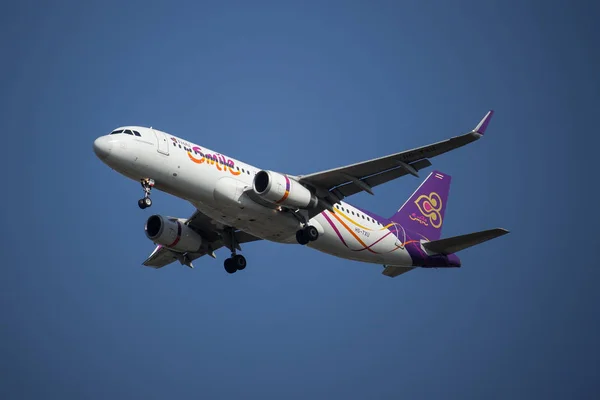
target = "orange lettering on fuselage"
x: 218, y: 161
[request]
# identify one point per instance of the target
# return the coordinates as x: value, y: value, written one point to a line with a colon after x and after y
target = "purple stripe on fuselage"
x: 324, y: 213
x: 379, y: 240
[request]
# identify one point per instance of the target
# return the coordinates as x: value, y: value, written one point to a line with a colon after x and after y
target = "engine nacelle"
x: 172, y: 234
x: 279, y: 189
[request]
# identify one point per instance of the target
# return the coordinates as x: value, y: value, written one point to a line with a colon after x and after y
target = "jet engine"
x: 172, y: 234
x: 280, y: 189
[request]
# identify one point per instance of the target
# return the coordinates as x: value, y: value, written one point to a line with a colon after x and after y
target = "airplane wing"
x: 210, y: 230
x: 161, y: 256
x: 346, y: 181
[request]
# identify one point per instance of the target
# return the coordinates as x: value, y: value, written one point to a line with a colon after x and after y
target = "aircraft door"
x: 163, y: 144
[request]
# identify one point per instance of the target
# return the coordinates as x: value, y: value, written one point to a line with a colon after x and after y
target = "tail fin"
x: 424, y: 211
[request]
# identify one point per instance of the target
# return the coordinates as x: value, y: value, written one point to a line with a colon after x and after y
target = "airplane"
x: 237, y: 203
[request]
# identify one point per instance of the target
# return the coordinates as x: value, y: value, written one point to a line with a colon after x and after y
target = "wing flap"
x: 350, y: 188
x: 160, y: 257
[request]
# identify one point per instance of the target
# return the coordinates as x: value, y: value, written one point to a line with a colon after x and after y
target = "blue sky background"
x: 300, y: 88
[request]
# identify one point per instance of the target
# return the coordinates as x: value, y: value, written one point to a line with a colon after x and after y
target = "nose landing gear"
x: 147, y: 185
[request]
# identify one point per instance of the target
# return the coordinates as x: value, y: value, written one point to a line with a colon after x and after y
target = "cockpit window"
x: 126, y: 131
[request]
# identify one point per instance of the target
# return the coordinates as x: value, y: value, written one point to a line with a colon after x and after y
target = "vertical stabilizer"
x: 424, y: 211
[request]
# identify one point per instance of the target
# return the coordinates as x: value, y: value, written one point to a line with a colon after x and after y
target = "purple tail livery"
x: 423, y: 212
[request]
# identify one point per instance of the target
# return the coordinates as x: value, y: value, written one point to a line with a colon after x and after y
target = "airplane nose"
x: 102, y: 147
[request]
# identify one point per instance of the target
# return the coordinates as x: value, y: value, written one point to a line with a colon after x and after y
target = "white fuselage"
x: 216, y: 184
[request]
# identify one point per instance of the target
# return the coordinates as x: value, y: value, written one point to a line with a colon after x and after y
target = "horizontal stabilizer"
x: 458, y: 243
x: 393, y: 272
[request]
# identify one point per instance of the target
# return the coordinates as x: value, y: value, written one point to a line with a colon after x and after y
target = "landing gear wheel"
x: 229, y: 266
x: 148, y: 203
x: 141, y: 204
x: 311, y: 233
x: 307, y: 234
x: 301, y: 237
x: 239, y: 261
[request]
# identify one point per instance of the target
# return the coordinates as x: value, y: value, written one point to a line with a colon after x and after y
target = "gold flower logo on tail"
x: 430, y: 206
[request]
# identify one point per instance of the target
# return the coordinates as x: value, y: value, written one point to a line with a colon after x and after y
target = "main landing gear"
x: 236, y: 262
x: 307, y: 234
x: 147, y: 185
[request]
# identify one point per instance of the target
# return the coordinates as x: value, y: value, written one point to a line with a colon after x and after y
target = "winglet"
x: 482, y: 126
